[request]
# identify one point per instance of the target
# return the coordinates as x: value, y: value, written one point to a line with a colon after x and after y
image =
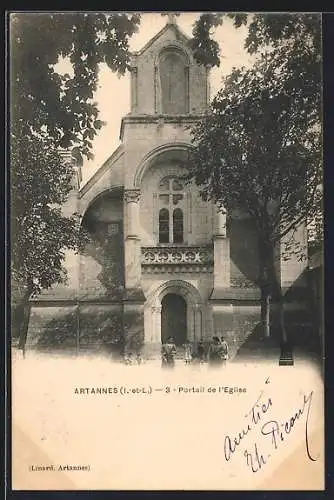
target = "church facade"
x: 160, y: 260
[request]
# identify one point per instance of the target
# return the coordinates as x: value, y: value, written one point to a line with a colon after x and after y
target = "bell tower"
x: 169, y: 93
x: 165, y: 78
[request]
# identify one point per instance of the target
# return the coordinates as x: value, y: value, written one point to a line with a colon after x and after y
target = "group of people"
x: 217, y: 353
x: 133, y: 359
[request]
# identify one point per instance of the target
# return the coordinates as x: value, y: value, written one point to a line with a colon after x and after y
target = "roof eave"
x: 158, y: 35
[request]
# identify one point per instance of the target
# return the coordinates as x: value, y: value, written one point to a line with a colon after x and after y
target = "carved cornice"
x: 175, y: 269
x: 132, y: 195
x: 242, y: 282
x: 153, y: 119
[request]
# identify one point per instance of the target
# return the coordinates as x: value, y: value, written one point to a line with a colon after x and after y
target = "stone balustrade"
x: 177, y: 258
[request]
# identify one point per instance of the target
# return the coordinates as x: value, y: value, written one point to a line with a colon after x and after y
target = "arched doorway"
x: 174, y: 318
x: 192, y: 311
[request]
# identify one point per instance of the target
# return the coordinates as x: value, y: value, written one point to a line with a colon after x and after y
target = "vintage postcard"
x: 167, y: 251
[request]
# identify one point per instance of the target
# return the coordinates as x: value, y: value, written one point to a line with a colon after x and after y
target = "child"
x: 128, y: 359
x: 187, y: 353
x: 224, y: 349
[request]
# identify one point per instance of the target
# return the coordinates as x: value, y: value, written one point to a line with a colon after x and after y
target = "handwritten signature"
x: 272, y: 429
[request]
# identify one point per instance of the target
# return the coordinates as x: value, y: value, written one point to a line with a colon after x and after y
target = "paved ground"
x: 246, y: 356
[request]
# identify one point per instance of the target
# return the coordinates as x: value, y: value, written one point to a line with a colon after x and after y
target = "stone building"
x: 161, y: 261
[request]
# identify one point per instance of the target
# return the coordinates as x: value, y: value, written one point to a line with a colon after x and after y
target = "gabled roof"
x: 159, y: 34
x: 101, y: 170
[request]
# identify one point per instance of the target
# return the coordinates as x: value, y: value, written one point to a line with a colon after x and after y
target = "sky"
x: 113, y: 93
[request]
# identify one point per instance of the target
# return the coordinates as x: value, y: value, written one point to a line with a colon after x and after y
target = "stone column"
x: 70, y: 207
x: 132, y: 239
x: 221, y: 272
x: 156, y: 324
x: 133, y: 309
x: 197, y: 333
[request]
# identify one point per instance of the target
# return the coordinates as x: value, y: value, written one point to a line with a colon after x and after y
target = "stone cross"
x: 171, y: 17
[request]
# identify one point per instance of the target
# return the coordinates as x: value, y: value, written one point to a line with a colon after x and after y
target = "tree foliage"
x: 61, y: 106
x: 205, y: 49
x: 278, y: 106
x: 301, y: 30
x: 51, y: 111
x: 259, y: 147
x: 39, y: 229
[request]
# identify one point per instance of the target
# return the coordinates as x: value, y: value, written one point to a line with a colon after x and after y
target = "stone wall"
x: 101, y: 327
x: 133, y: 321
x: 76, y: 328
x: 244, y: 263
x: 53, y: 328
x: 237, y: 323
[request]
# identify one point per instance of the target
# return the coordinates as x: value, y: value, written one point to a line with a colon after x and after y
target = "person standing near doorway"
x: 168, y: 352
x: 214, y: 353
x: 224, y: 350
x: 201, y: 351
x: 187, y: 353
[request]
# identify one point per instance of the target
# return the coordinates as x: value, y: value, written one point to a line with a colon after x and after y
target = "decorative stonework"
x: 242, y: 282
x: 177, y: 259
x: 156, y: 309
x: 132, y: 195
x: 174, y: 268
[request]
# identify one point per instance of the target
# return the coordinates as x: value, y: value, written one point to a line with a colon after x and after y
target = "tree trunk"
x: 284, y: 334
x: 286, y: 355
x: 265, y: 313
x: 264, y: 283
x: 23, y: 327
x: 271, y: 289
x: 278, y: 300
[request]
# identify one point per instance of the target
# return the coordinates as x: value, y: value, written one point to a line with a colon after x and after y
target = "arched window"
x: 178, y: 226
x: 164, y: 226
x: 173, y: 73
x: 171, y: 210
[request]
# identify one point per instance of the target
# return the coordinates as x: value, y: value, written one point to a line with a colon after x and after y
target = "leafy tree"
x: 316, y: 231
x: 259, y: 149
x: 50, y: 112
x: 301, y: 32
x: 205, y: 49
x: 40, y: 232
x: 61, y: 106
